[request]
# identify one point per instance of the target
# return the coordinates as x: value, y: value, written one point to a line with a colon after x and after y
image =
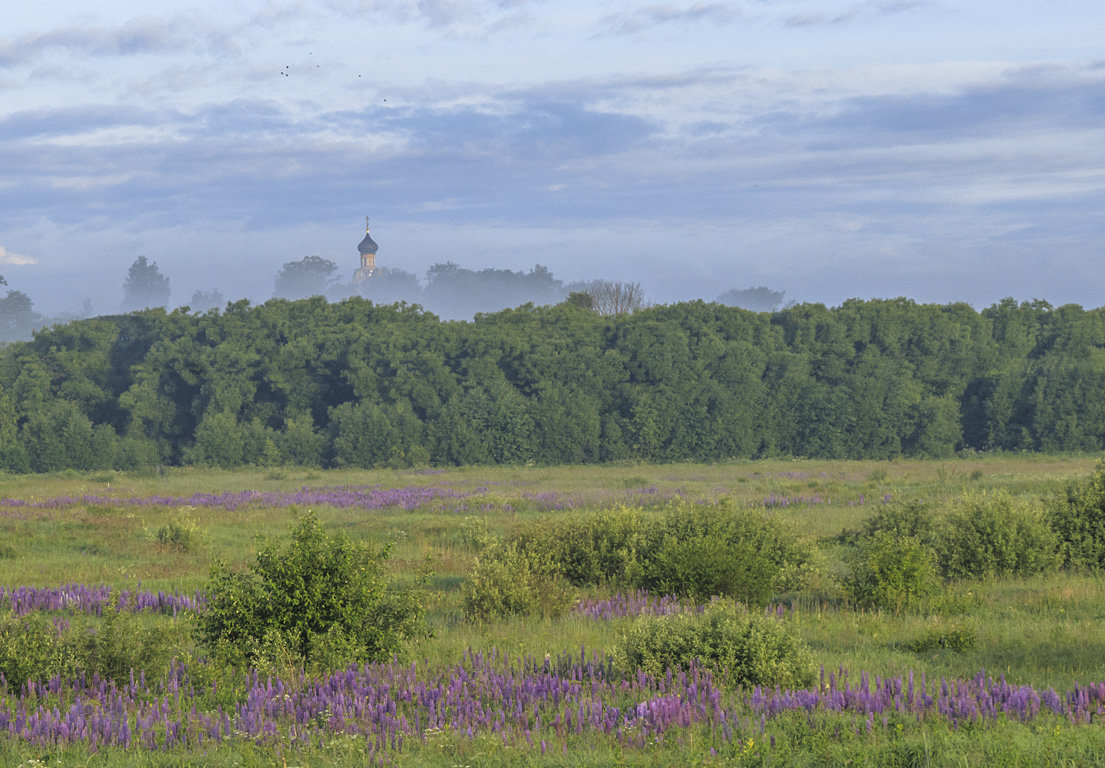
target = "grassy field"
x: 1042, y: 630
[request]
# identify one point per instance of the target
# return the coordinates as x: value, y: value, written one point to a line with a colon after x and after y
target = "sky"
x: 943, y: 151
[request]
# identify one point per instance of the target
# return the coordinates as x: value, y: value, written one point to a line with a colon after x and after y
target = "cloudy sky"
x: 937, y: 149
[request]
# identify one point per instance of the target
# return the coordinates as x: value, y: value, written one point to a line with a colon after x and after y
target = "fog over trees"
x: 145, y: 286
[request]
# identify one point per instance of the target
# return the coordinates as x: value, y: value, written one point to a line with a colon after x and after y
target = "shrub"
x: 894, y: 573
x: 991, y: 534
x: 124, y: 642
x: 912, y: 518
x: 600, y: 548
x: 508, y: 581
x: 182, y: 533
x: 745, y: 649
x: 320, y: 593
x: 34, y: 648
x: 1079, y: 521
x: 956, y: 638
x: 689, y: 549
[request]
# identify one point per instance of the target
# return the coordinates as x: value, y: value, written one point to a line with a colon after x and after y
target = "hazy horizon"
x: 831, y: 150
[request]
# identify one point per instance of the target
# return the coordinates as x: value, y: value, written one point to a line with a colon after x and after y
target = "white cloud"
x: 14, y: 259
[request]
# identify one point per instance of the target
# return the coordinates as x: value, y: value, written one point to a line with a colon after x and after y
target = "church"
x: 367, y: 249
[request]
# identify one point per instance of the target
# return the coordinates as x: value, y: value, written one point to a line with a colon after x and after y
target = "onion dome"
x: 368, y: 245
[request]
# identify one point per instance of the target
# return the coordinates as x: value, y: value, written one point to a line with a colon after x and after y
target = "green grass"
x: 1044, y: 630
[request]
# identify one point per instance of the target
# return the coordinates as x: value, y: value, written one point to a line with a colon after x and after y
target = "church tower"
x: 367, y: 249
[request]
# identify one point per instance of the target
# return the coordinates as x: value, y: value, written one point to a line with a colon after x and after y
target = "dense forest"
x: 357, y: 384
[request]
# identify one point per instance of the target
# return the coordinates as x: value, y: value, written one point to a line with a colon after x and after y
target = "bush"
x: 507, y: 581
x: 693, y: 550
x: 893, y: 573
x: 912, y: 518
x: 991, y: 534
x: 182, y: 533
x: 34, y: 648
x: 125, y: 642
x: 601, y: 548
x: 745, y: 649
x: 957, y: 638
x: 1079, y: 521
x: 318, y: 596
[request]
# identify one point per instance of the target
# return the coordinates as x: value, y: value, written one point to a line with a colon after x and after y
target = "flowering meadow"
x: 1000, y: 669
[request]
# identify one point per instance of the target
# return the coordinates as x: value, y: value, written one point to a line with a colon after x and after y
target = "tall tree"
x: 310, y: 276
x: 616, y: 298
x: 759, y: 299
x: 145, y: 286
x: 17, y: 317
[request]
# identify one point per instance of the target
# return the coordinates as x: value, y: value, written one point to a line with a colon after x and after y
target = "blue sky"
x: 945, y: 151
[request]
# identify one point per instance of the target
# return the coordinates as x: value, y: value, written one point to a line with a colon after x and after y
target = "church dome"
x: 368, y: 245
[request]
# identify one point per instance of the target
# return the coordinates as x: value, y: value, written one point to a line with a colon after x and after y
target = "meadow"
x: 1004, y: 669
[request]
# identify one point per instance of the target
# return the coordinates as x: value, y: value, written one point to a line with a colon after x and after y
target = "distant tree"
x: 145, y: 286
x: 17, y: 317
x: 609, y: 298
x: 760, y: 299
x: 580, y: 299
x: 310, y: 276
x: 205, y: 300
x: 387, y: 286
x: 455, y: 292
x: 3, y: 281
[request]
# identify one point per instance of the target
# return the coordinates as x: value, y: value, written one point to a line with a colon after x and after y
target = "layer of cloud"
x: 646, y: 17
x: 7, y: 258
x: 855, y: 12
x: 147, y: 36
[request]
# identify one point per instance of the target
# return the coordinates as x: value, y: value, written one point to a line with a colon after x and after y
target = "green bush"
x: 912, y: 518
x: 124, y: 642
x: 992, y: 534
x: 34, y: 648
x: 1078, y: 519
x: 745, y: 649
x: 601, y: 548
x: 506, y: 581
x: 956, y: 638
x: 317, y: 596
x: 695, y: 550
x: 182, y: 533
x: 893, y: 573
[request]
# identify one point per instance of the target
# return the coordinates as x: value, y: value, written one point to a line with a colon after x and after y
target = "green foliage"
x: 993, y: 534
x: 182, y: 533
x: 124, y: 642
x: 506, y: 581
x: 688, y: 549
x: 325, y: 599
x: 896, y: 573
x: 1078, y: 518
x: 954, y: 637
x: 746, y: 649
x: 913, y: 519
x: 33, y: 648
x: 353, y: 384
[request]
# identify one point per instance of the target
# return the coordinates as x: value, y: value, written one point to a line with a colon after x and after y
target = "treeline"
x: 357, y: 384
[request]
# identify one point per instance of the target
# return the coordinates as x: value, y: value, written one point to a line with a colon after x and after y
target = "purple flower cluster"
x: 976, y: 700
x: 80, y: 598
x: 643, y: 603
x: 358, y: 497
x: 775, y: 500
x: 638, y: 603
x: 528, y: 703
